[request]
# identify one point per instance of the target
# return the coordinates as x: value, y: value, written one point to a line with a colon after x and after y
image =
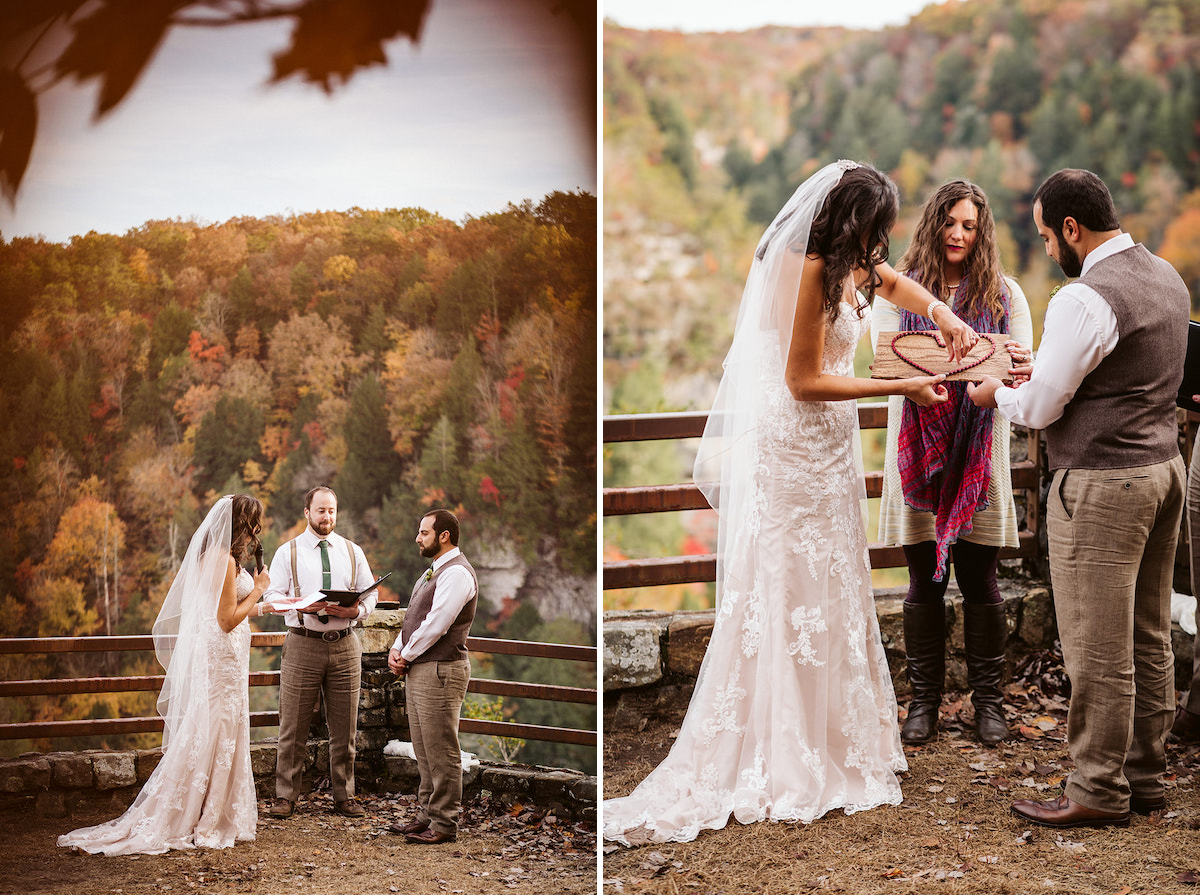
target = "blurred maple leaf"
x: 18, y: 124
x: 334, y: 38
x: 115, y: 43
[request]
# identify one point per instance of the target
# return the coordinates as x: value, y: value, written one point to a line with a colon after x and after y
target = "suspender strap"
x: 295, y: 573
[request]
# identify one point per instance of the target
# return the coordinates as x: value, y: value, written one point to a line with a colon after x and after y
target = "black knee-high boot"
x: 925, y: 643
x: 984, y: 633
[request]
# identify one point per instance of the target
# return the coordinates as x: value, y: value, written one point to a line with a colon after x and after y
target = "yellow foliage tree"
x: 1181, y: 247
x: 61, y: 607
x: 414, y: 379
x: 339, y: 270
x: 86, y: 549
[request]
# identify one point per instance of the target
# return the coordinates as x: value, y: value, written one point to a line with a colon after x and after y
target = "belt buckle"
x: 331, y: 636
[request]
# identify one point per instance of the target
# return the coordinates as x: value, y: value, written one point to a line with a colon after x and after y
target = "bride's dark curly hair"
x: 246, y: 524
x: 851, y: 233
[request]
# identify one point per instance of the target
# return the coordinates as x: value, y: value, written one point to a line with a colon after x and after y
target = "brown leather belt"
x: 327, y: 636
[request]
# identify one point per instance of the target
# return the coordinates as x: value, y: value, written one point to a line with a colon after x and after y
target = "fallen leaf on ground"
x: 1067, y: 845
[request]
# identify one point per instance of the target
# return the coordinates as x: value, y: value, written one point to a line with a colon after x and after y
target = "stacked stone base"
x: 61, y: 784
x: 647, y: 648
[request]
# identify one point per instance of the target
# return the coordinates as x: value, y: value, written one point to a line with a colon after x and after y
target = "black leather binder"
x: 350, y: 597
x: 1191, y: 371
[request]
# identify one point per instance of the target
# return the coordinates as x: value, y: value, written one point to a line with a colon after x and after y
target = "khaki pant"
x: 333, y: 671
x: 1112, y: 535
x: 434, y: 694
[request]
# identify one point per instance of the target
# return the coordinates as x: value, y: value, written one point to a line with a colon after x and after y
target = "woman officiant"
x: 946, y: 469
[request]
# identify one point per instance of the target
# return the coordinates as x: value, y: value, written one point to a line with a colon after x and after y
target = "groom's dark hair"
x: 444, y: 520
x: 1077, y: 193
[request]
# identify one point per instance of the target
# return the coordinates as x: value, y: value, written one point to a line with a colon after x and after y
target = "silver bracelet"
x: 933, y: 304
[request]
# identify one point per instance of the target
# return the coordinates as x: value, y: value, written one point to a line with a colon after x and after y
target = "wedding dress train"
x: 202, y: 792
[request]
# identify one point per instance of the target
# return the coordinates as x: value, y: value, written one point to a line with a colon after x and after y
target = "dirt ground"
x: 952, y: 833
x: 317, y: 851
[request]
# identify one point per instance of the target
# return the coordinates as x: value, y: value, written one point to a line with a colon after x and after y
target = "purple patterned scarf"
x: 945, y: 451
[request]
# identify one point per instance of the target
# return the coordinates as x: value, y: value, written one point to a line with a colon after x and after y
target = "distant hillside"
x: 407, y: 360
x: 706, y: 135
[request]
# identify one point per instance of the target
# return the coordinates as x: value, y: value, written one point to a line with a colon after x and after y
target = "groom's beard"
x: 323, y: 528
x: 1070, y: 262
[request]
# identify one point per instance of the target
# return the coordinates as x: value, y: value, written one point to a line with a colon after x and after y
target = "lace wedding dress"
x: 202, y: 792
x: 793, y: 714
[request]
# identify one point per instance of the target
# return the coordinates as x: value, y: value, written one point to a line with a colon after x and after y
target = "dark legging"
x: 974, y: 568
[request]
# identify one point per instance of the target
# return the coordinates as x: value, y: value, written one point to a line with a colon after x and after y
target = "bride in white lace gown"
x: 202, y: 792
x: 793, y: 713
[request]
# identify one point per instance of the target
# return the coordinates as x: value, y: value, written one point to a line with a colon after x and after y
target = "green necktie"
x: 326, y: 582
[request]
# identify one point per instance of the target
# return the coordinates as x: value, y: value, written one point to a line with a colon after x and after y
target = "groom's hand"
x: 984, y: 393
x: 397, y: 663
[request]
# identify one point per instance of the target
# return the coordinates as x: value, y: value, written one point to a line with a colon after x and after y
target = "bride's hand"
x: 926, y: 390
x: 262, y: 580
x: 959, y: 337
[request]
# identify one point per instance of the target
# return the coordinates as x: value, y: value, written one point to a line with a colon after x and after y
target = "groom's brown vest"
x: 453, y: 644
x: 1123, y: 413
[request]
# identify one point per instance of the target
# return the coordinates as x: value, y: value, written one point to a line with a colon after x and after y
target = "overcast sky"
x: 742, y: 15
x: 483, y: 112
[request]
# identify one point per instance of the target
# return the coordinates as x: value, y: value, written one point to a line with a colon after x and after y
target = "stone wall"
x: 646, y: 648
x: 59, y: 783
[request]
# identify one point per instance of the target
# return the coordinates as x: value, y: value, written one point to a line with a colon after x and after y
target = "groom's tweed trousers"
x: 1113, y: 515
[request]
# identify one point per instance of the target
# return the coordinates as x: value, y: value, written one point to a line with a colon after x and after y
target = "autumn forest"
x: 407, y: 360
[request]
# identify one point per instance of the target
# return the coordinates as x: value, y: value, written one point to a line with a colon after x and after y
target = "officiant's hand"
x: 339, y: 611
x: 1021, y: 359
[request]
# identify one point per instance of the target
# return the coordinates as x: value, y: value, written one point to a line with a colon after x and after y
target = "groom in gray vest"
x: 431, y: 651
x: 1103, y: 387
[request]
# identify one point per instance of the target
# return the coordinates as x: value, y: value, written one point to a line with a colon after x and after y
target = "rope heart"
x: 937, y: 337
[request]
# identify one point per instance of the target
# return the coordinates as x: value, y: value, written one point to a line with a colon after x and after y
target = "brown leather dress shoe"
x: 281, y: 808
x: 413, y: 826
x: 1063, y: 813
x: 430, y: 837
x: 350, y: 808
x: 1186, y: 728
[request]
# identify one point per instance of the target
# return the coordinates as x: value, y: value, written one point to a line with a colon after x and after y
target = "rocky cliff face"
x: 503, y: 574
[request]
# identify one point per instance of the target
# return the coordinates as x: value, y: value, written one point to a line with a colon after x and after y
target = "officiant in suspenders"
x: 321, y: 656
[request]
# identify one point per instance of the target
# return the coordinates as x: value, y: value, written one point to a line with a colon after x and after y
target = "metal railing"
x: 153, y: 683
x: 655, y: 571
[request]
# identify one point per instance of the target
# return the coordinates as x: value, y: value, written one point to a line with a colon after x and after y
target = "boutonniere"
x: 1054, y: 291
x: 428, y: 574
